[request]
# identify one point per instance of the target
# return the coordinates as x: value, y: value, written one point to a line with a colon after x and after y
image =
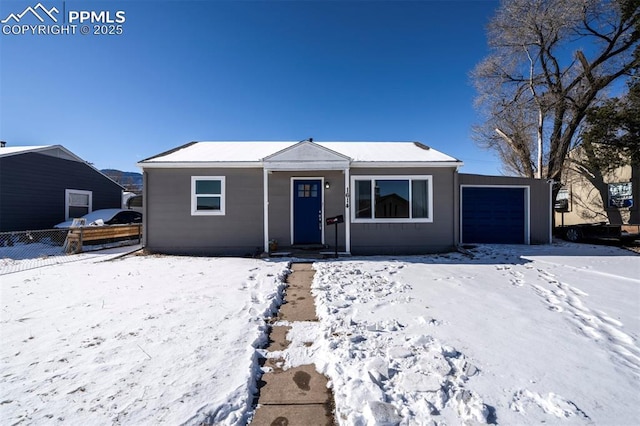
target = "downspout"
x: 456, y: 208
x: 145, y: 207
x: 527, y: 205
x: 550, y: 210
x: 347, y: 212
x: 265, y: 189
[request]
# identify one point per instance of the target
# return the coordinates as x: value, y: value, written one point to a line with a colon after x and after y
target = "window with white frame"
x: 392, y: 199
x: 207, y: 195
x: 77, y: 203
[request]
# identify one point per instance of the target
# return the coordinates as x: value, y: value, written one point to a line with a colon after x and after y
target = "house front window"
x: 392, y: 199
x: 207, y: 195
x: 78, y: 203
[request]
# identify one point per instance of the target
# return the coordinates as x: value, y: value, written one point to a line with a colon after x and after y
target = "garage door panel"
x: 493, y: 215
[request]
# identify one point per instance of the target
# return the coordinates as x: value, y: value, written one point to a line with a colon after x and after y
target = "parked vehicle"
x: 134, y: 203
x: 106, y: 217
x: 600, y: 232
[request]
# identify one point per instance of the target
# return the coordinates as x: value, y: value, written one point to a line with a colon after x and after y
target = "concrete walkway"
x: 297, y: 396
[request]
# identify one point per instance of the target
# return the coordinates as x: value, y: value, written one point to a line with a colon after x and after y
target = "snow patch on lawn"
x: 385, y: 370
x: 510, y: 335
x: 142, y: 340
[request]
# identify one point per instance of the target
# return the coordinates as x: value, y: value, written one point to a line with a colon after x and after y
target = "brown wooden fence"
x: 77, y: 237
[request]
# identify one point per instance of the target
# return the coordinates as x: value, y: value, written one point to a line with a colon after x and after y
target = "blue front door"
x: 307, y: 211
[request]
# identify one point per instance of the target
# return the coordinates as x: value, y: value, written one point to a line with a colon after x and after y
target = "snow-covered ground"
x: 140, y: 340
x: 512, y: 335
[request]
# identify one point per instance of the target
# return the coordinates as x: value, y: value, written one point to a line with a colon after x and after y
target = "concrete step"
x: 278, y: 338
x: 299, y: 385
x: 294, y: 415
x: 299, y: 304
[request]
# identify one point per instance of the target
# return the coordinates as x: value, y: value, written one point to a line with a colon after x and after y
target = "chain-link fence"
x: 22, y: 245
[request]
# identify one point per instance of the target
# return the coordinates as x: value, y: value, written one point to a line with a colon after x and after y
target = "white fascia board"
x: 296, y: 166
x: 306, y: 165
x: 403, y: 164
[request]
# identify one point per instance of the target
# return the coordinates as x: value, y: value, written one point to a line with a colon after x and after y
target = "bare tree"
x: 610, y: 139
x: 550, y: 61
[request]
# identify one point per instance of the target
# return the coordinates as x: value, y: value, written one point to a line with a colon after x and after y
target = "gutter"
x: 295, y: 166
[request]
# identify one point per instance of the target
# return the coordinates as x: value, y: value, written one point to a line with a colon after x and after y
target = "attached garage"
x: 495, y: 214
x: 504, y: 210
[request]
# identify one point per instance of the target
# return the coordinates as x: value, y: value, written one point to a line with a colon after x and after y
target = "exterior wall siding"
x: 32, y: 188
x: 170, y: 227
x: 411, y: 238
x: 539, y: 202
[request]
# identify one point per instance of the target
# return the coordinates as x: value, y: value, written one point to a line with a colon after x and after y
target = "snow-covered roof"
x: 388, y: 151
x: 10, y: 150
x: 53, y: 150
x: 245, y: 153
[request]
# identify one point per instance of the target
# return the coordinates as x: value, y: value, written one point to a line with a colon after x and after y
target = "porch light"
x: 327, y: 185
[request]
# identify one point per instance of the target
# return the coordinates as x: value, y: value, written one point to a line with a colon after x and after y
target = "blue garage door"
x: 493, y: 215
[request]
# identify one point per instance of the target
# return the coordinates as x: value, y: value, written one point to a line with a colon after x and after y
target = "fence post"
x: 80, y: 243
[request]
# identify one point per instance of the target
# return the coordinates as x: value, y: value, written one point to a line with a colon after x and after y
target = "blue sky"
x: 247, y: 70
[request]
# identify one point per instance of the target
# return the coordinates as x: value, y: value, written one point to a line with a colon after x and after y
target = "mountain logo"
x: 38, y: 11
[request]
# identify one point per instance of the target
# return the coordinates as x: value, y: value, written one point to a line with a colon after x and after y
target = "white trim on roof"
x: 296, y: 166
x: 293, y: 166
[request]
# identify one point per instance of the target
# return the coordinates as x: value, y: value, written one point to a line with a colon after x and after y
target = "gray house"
x: 236, y: 198
x: 41, y: 186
